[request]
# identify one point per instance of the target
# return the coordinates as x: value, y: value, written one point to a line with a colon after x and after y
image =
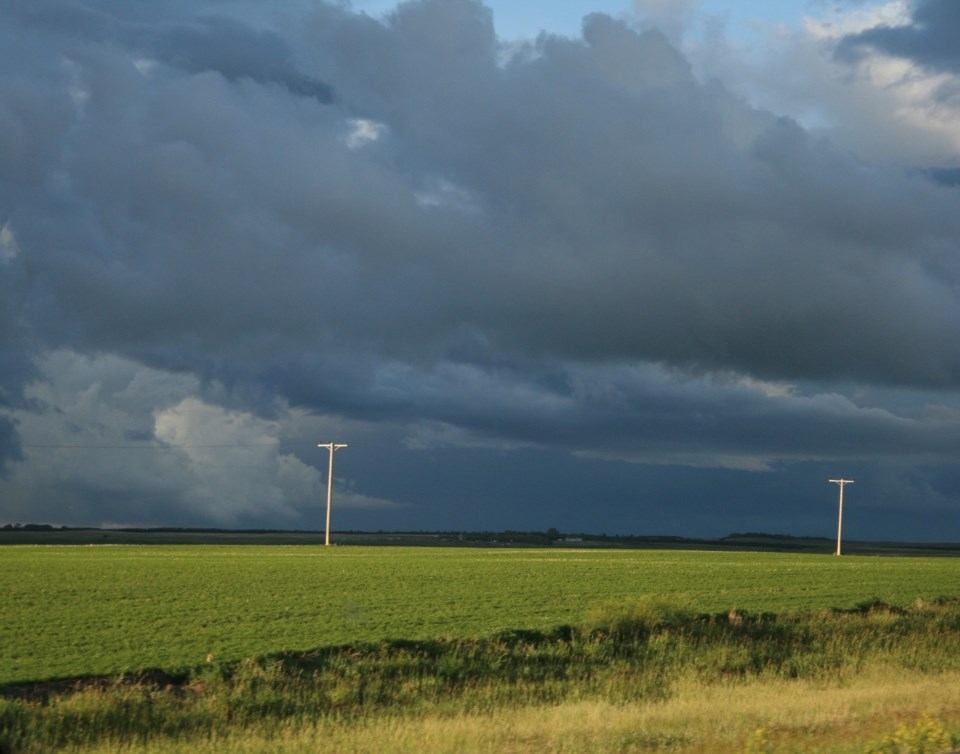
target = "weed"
x: 925, y: 736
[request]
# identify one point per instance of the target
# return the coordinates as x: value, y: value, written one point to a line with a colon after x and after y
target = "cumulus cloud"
x: 111, y: 442
x: 403, y: 223
x: 927, y: 37
x: 883, y: 108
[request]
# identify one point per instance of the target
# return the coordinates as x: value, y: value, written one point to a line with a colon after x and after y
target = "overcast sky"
x: 650, y: 268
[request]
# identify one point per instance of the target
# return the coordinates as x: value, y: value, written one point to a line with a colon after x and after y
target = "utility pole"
x: 840, y: 482
x: 331, y: 446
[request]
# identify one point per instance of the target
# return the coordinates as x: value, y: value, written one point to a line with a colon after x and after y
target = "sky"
x: 650, y: 267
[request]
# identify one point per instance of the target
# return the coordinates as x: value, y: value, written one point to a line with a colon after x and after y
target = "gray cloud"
x: 929, y: 40
x: 192, y: 43
x: 584, y: 180
x: 577, y: 247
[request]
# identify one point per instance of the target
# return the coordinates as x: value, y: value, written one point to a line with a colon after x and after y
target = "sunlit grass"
x: 771, y: 716
x: 645, y: 676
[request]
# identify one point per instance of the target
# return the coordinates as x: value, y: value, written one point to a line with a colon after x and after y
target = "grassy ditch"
x: 639, y: 658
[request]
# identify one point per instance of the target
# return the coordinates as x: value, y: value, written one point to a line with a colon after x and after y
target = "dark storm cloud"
x: 576, y: 246
x: 207, y: 42
x: 946, y: 176
x: 639, y: 222
x: 929, y: 40
x: 609, y: 213
x: 236, y: 52
x: 16, y: 364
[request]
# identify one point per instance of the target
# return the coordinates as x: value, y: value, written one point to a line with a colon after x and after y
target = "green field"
x: 299, y: 648
x: 72, y: 611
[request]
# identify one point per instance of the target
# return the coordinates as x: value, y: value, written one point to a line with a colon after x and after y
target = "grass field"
x: 296, y: 648
x: 70, y: 611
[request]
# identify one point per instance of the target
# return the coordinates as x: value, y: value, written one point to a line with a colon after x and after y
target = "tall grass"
x: 647, y: 653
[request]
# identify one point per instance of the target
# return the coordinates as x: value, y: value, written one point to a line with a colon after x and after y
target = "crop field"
x: 72, y: 611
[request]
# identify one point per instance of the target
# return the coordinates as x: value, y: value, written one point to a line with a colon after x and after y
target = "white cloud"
x: 851, y: 19
x: 439, y: 192
x: 364, y: 131
x: 233, y: 462
x: 9, y: 248
x: 146, y: 449
x: 899, y: 94
x: 766, y: 388
x: 885, y: 110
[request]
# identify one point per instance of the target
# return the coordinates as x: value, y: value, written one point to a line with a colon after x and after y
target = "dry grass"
x: 776, y: 716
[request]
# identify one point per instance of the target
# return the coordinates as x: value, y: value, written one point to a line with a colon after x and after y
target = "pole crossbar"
x: 332, y: 447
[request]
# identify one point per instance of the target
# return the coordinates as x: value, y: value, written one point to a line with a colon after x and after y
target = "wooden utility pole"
x: 841, y: 482
x: 331, y: 446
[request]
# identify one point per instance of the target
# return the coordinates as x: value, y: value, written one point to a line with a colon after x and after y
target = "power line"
x: 164, y: 447
x: 374, y: 446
